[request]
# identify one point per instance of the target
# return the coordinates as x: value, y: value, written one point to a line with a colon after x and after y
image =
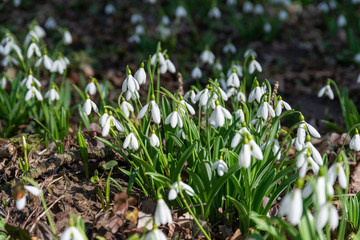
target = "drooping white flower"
x: 267, y: 29
x: 130, y: 83
x: 184, y: 105
x: 292, y: 206
x: 327, y: 213
x: 283, y: 15
x: 103, y: 118
x: 58, y: 66
x: 221, y: 167
x: 207, y: 57
x: 174, y: 119
x: 72, y: 233
x: 238, y: 136
x: 134, y: 39
x: 255, y: 149
x: 203, y: 96
x: 337, y: 171
x: 275, y: 146
x: 258, y: 9
x: 30, y: 80
x: 174, y: 191
x: 301, y: 133
x: 136, y: 18
x: 140, y: 75
x: 139, y: 30
x: 3, y: 82
x: 314, y: 152
x: 327, y: 91
x: 219, y: 92
x: 67, y: 38
x: 265, y: 110
x: 190, y: 95
x: 154, y: 140
x: 50, y: 23
x: 238, y: 70
x: 323, y: 7
x: 126, y: 108
x: 131, y: 142
x: 181, y: 134
x: 217, y: 118
x: 254, y: 65
x: 155, y: 234
x: 214, y: 13
x: 52, y: 94
x: 88, y: 105
x: 233, y: 80
x: 248, y: 7
x: 341, y: 21
x: 154, y: 108
x: 33, y: 92
x: 180, y: 12
x: 109, y: 121
x: 240, y: 114
x: 21, y: 202
x: 158, y: 57
x: 305, y: 162
x: 45, y: 60
x: 229, y: 48
x: 355, y: 141
x: 196, y: 73
x: 162, y: 213
x: 33, y: 48
x: 279, y: 106
x: 91, y: 88
x: 256, y: 94
x: 170, y: 66
x: 250, y: 148
x: 109, y: 9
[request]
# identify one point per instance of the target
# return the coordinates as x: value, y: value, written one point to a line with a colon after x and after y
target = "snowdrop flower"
x: 355, y: 141
x: 258, y: 9
x: 72, y: 233
x: 110, y: 9
x: 169, y: 65
x: 165, y: 20
x: 301, y: 133
x: 254, y: 65
x: 164, y: 33
x: 139, y: 30
x: 162, y: 212
x: 126, y: 107
x: 88, y: 105
x: 231, y: 2
x: 45, y: 60
x: 247, y: 7
x: 214, y: 13
x: 357, y: 58
x: 292, y: 204
x: 181, y: 134
x: 174, y: 119
x: 229, y: 48
x: 323, y: 7
x: 184, y: 105
x: 21, y: 202
x: 275, y: 146
x: 238, y: 135
x: 207, y: 57
x: 305, y: 161
x: 58, y: 66
x: 33, y: 92
x: 219, y: 92
x: 52, y: 94
x: 250, y: 148
x: 174, y: 191
x: 332, y: 4
x: 341, y: 21
x: 50, y: 23
x: 337, y: 171
x: 140, y: 74
x: 327, y: 91
x: 33, y: 48
x: 3, y: 83
x: 217, y: 118
x: 158, y: 57
x: 40, y: 32
x: 267, y: 29
x: 238, y: 70
x: 134, y: 39
x: 283, y: 15
x: 180, y: 12
x: 265, y: 110
x: 196, y: 73
x: 327, y: 213
x: 233, y: 80
x: 279, y: 106
x: 130, y: 83
x: 154, y: 140
x: 91, y: 88
x: 155, y: 234
x: 67, y: 38
x: 240, y: 114
x: 250, y: 52
x: 136, y: 18
x: 131, y: 142
x: 221, y: 167
x: 203, y: 96
x: 190, y: 95
x: 29, y: 80
x: 154, y: 108
x: 217, y: 65
x: 256, y: 93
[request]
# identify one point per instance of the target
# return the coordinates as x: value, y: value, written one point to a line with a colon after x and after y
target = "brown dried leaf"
x: 121, y: 203
x: 132, y: 216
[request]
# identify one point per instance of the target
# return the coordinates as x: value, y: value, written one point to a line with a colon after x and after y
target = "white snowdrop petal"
x: 106, y: 128
x: 342, y: 177
x: 322, y: 217
x: 33, y: 190
x: 333, y: 218
x: 172, y: 194
x: 313, y: 131
x: 20, y: 203
x: 245, y: 156
x: 236, y: 140
x: 94, y: 107
x: 155, y: 112
x: 143, y: 111
x: 127, y: 141
x: 118, y: 125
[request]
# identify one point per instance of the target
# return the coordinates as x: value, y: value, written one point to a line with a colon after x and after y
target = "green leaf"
x: 110, y: 164
x: 244, y: 217
x: 83, y: 153
x: 181, y: 162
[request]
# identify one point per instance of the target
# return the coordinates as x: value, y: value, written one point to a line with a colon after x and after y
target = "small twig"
x: 43, y: 214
